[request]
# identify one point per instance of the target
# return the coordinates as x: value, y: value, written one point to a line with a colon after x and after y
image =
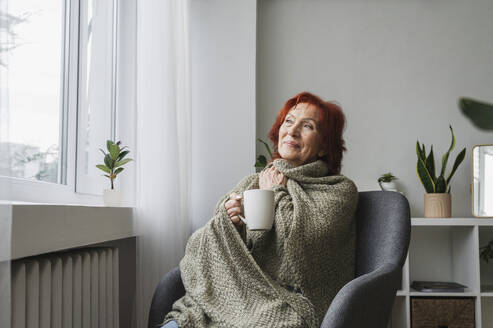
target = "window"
x: 35, y: 75
x: 60, y: 85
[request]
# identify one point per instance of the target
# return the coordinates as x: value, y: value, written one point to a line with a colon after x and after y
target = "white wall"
x: 223, y: 99
x: 396, y: 67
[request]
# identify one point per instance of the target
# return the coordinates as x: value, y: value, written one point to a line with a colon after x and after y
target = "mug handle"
x: 242, y: 219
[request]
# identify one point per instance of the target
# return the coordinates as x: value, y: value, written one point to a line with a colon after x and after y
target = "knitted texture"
x: 285, y: 277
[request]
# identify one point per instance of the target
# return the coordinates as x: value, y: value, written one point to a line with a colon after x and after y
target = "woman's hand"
x: 233, y: 208
x: 270, y: 177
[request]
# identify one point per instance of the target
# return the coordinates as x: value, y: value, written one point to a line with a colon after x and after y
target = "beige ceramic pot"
x: 438, y: 206
x: 112, y: 197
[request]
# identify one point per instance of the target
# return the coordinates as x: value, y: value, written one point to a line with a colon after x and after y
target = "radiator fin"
x: 76, y: 289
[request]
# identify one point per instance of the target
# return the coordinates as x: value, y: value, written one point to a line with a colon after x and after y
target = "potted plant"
x: 261, y: 162
x: 437, y: 198
x: 114, y: 159
x: 386, y: 182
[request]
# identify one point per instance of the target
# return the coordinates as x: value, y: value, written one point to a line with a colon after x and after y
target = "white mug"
x: 259, y: 209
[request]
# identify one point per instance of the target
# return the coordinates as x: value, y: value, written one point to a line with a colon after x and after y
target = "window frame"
x: 66, y: 192
x: 86, y: 183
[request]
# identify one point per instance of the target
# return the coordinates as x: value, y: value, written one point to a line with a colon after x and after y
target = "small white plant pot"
x: 112, y: 197
x: 388, y: 186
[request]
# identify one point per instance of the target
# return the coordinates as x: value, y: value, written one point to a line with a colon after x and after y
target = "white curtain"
x: 5, y: 208
x: 163, y: 154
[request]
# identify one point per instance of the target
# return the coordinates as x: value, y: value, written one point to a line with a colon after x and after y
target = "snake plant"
x: 425, y: 168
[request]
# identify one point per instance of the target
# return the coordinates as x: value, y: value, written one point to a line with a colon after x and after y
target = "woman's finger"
x: 229, y: 204
x: 236, y: 220
x: 233, y: 211
x: 233, y: 202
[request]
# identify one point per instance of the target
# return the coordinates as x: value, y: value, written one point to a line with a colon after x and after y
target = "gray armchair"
x: 383, y: 233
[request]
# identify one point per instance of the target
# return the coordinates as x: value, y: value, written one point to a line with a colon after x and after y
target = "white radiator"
x: 76, y: 289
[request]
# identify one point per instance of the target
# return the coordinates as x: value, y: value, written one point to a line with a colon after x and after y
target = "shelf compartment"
x: 438, y: 311
x: 487, y: 312
x: 399, y: 313
x: 486, y: 268
x: 443, y: 253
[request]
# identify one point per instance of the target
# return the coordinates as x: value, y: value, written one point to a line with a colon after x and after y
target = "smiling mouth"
x: 292, y: 145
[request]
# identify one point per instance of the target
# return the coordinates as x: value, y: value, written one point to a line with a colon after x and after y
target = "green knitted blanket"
x: 285, y: 277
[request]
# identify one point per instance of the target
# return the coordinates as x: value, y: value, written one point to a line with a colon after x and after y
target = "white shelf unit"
x: 447, y: 250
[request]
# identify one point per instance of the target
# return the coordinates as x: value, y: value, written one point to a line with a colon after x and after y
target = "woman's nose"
x: 293, y: 129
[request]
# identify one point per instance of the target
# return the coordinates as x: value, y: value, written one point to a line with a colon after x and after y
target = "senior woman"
x: 287, y: 276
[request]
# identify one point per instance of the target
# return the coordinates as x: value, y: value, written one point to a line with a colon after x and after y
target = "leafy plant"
x: 261, y: 162
x: 387, y: 177
x: 486, y: 252
x: 114, y: 159
x: 425, y: 168
x: 480, y: 113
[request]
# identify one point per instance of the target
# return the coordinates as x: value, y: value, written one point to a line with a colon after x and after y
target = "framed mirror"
x: 482, y: 181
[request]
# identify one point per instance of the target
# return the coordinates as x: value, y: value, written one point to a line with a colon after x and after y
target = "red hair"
x: 331, y: 124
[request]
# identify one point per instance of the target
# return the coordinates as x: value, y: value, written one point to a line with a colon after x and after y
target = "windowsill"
x: 43, y: 228
x: 23, y: 203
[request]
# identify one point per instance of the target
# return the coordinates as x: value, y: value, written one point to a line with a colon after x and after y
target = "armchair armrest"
x: 169, y: 290
x: 365, y: 301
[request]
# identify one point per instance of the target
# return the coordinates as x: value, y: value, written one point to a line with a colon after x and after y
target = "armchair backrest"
x: 383, y: 230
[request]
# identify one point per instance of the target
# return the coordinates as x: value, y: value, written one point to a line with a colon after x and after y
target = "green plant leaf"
x: 104, y: 153
x: 387, y: 177
x: 108, y: 144
x: 446, y: 155
x: 123, y: 162
x: 118, y: 170
x: 103, y: 167
x: 114, y: 151
x: 261, y: 161
x: 480, y: 113
x: 486, y: 252
x: 108, y: 161
x: 122, y: 155
x: 424, y: 176
x: 418, y: 152
x: 441, y: 185
x: 106, y: 175
x: 458, y: 161
x: 266, y: 147
x: 430, y: 165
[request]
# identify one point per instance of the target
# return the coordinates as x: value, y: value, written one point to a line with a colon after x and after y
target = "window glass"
x: 34, y: 70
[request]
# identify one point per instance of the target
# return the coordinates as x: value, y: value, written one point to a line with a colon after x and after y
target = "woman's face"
x: 299, y: 135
